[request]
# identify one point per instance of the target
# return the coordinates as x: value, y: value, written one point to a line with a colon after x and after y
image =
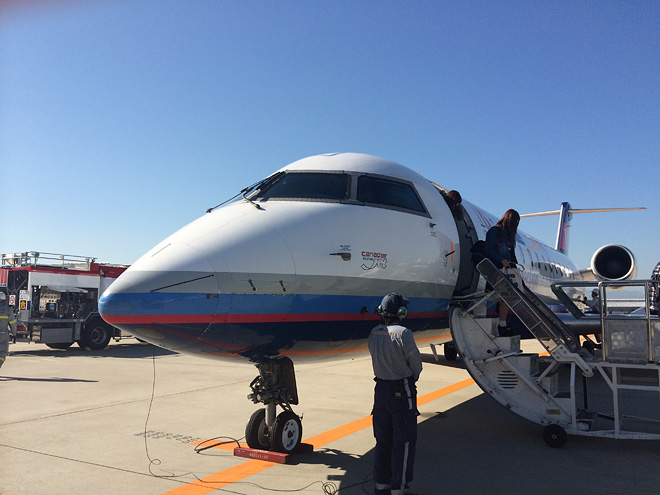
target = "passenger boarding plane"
x: 294, y: 268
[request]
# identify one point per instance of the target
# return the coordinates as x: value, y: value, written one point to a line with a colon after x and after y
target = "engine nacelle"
x: 613, y: 262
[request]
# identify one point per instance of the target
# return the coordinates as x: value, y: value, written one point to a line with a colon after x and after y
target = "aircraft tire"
x: 256, y: 431
x: 287, y: 432
x: 450, y: 352
x: 555, y: 436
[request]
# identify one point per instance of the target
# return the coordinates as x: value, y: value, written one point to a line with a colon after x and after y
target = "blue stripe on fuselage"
x: 198, y: 304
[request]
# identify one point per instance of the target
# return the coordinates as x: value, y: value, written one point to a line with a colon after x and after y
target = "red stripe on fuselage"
x: 258, y: 318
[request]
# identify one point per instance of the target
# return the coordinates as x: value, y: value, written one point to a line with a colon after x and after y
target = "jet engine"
x: 613, y: 262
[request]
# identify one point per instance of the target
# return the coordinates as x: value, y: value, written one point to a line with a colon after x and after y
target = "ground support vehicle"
x: 55, y: 297
x: 567, y: 389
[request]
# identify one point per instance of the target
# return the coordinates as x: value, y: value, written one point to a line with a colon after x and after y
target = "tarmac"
x: 126, y: 420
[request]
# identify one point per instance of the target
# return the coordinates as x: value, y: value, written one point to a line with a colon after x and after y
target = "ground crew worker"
x: 7, y: 321
x: 397, y: 364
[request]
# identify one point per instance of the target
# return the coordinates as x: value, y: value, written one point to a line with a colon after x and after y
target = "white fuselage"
x: 299, y: 266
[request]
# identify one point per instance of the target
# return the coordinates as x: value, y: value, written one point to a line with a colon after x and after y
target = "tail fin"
x: 565, y: 215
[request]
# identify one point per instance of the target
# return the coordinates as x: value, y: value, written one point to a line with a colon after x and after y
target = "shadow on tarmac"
x: 442, y: 361
x: 54, y: 380
x: 124, y: 350
x: 479, y: 447
x: 354, y: 472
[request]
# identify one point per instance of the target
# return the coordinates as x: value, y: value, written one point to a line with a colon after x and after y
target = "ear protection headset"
x: 402, y: 312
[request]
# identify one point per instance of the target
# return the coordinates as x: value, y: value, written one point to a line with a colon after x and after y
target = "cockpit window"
x: 388, y: 193
x: 340, y: 187
x: 308, y: 186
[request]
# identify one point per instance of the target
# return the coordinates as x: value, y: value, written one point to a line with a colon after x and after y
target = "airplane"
x: 293, y: 266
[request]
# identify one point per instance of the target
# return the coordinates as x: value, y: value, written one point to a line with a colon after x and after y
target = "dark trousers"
x: 395, y: 428
x: 4, y: 343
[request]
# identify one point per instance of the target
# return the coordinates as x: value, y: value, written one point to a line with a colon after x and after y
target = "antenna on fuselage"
x: 565, y: 215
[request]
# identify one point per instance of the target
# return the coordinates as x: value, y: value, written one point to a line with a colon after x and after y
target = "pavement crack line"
x: 106, y: 406
x: 89, y: 463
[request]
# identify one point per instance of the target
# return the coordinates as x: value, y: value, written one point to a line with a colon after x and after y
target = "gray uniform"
x: 7, y: 320
x: 394, y: 354
x: 397, y: 364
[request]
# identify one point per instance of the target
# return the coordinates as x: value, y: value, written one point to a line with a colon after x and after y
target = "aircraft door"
x: 468, y: 277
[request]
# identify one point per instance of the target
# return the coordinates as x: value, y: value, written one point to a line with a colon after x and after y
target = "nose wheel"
x: 274, y: 386
x: 287, y: 432
x: 256, y: 431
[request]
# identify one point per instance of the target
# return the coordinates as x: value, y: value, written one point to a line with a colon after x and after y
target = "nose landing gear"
x: 274, y: 386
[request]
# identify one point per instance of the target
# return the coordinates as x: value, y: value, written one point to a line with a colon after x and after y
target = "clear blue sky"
x: 121, y: 121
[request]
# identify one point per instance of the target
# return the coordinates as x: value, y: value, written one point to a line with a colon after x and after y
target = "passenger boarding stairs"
x: 561, y: 386
x: 542, y: 323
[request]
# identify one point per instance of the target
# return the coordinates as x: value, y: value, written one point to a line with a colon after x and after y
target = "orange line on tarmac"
x: 223, y: 478
x: 255, y: 466
x: 424, y: 399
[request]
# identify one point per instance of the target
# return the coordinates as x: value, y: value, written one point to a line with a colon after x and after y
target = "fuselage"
x: 298, y: 266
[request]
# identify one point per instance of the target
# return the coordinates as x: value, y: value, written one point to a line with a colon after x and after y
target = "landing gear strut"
x: 274, y: 386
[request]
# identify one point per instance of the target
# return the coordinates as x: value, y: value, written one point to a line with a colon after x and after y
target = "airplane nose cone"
x: 168, y: 297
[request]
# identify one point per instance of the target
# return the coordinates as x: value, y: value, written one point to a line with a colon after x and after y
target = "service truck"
x: 55, y: 298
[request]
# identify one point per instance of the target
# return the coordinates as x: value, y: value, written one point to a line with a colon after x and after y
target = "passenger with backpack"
x: 499, y: 247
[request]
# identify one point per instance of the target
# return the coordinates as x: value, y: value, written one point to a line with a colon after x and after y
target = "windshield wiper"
x: 262, y: 184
